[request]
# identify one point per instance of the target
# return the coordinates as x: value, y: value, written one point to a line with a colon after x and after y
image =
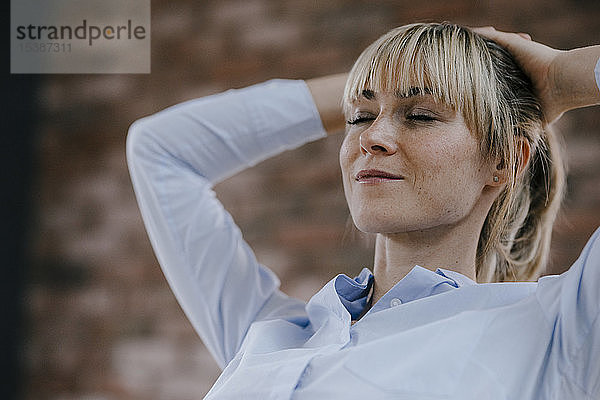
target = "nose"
x: 375, y: 141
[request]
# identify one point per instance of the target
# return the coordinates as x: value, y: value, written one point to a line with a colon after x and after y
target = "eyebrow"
x: 413, y: 91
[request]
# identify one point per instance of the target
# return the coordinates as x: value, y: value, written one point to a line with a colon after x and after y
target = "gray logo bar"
x: 74, y: 36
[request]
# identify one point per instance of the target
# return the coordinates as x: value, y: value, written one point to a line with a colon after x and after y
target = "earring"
x: 496, y: 179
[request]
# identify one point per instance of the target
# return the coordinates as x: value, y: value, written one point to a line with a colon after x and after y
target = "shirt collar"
x: 420, y: 283
x: 343, y: 297
x: 343, y: 292
x: 353, y: 293
x: 458, y: 278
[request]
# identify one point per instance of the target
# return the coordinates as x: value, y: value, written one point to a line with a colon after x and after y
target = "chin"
x: 398, y: 223
x: 380, y: 224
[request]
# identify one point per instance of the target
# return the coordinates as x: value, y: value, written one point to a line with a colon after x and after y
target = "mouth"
x: 374, y: 176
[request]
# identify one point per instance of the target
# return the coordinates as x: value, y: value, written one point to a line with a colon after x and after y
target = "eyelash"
x: 359, y: 120
x: 420, y: 117
x: 411, y: 117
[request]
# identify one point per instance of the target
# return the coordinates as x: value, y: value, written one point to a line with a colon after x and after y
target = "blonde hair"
x: 480, y: 79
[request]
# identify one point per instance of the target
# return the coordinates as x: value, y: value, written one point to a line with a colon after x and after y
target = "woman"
x: 448, y: 159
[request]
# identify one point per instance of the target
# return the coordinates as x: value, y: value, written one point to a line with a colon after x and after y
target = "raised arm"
x: 174, y: 158
x: 327, y: 93
x: 564, y: 80
x: 570, y: 302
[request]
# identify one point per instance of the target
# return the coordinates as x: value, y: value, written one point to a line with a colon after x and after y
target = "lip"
x: 375, y: 176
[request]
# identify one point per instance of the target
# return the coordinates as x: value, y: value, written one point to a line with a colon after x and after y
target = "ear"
x: 500, y: 174
x: 523, y: 154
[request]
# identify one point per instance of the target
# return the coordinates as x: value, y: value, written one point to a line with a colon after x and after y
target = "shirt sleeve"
x: 597, y: 72
x: 571, y: 302
x: 174, y: 159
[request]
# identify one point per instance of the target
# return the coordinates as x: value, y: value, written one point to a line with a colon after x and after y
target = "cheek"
x: 347, y: 156
x: 343, y: 156
x: 345, y: 165
x: 448, y: 175
x: 454, y: 156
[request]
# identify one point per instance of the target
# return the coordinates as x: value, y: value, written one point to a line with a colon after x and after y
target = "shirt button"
x: 395, y: 302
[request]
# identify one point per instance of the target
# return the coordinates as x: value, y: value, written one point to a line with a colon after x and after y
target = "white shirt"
x: 434, y: 335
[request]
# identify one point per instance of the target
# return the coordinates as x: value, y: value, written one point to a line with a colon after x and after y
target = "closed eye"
x: 420, y: 117
x: 360, y: 120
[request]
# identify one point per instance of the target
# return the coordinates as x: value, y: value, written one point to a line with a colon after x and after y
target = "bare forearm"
x: 575, y: 79
x: 327, y: 93
x: 563, y: 80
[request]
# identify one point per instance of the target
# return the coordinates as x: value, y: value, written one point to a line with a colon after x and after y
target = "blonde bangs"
x: 442, y: 60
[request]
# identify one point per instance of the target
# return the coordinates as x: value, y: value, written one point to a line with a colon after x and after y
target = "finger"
x: 525, y: 35
x: 484, y: 30
x: 491, y: 32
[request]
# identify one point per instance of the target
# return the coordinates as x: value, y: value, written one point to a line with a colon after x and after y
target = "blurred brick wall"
x: 102, y: 322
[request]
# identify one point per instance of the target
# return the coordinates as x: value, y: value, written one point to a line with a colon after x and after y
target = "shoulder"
x: 573, y: 297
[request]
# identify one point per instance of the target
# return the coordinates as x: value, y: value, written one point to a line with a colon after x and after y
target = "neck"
x: 449, y: 247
